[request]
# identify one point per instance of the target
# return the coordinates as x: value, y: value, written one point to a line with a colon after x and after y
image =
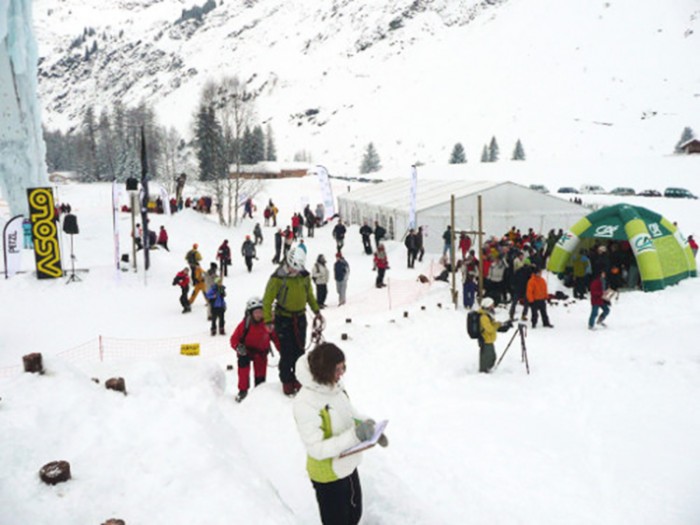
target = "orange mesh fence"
x: 104, y: 348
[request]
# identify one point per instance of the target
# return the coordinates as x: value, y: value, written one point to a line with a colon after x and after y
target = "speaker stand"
x: 73, y: 277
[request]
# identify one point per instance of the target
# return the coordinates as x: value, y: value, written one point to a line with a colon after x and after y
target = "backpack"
x: 474, y: 324
x: 191, y: 257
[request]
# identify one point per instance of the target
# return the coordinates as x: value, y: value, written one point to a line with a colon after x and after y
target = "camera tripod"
x: 522, y: 331
x: 73, y: 277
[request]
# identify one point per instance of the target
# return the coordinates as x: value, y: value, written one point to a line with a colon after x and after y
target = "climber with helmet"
x: 489, y: 327
x: 284, y: 307
x: 251, y: 341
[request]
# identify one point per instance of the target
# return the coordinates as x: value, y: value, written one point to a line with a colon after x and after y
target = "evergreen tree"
x: 518, y: 152
x: 685, y: 137
x: 493, y: 150
x: 370, y: 162
x: 209, y: 144
x: 105, y: 148
x: 258, y: 144
x: 88, y: 147
x: 270, y: 150
x: 458, y: 156
x: 485, y: 154
x: 248, y: 147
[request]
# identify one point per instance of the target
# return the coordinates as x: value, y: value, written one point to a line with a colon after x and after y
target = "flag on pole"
x: 326, y: 191
x: 12, y: 244
x: 115, y: 222
x: 144, y: 203
x: 412, y: 202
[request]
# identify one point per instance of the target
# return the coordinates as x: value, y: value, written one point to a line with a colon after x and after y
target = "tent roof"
x: 395, y: 193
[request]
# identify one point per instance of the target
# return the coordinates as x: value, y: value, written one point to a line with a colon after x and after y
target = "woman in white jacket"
x: 328, y: 424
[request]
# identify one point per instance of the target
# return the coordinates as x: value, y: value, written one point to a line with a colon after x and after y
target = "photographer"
x: 489, y: 327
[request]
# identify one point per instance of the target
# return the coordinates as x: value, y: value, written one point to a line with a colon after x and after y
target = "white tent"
x: 504, y: 204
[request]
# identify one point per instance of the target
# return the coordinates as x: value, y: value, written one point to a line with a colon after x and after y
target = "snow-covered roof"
x: 431, y: 192
x: 271, y: 167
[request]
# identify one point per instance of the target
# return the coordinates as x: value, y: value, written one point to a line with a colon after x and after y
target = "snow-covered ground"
x: 603, y: 430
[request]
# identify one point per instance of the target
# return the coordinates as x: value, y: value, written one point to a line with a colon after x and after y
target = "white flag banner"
x: 412, y: 202
x: 115, y: 221
x: 12, y: 244
x: 160, y: 191
x: 326, y: 192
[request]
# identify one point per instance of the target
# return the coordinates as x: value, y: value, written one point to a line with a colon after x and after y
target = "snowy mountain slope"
x: 568, y: 79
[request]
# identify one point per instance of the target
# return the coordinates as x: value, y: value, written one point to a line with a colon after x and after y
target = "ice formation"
x: 22, y: 149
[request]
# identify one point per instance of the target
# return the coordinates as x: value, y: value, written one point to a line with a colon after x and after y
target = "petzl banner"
x: 13, y: 237
x: 412, y: 203
x: 45, y: 233
x: 326, y: 191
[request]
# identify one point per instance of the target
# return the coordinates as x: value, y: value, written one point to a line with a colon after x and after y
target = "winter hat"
x: 487, y: 303
x: 195, y: 246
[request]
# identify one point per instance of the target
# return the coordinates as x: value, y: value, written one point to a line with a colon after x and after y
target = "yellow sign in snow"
x: 189, y: 349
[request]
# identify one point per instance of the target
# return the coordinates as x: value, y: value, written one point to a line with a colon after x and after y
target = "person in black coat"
x: 379, y: 233
x: 366, y: 232
x: 278, y: 246
x: 339, y: 235
x: 522, y: 270
x: 248, y: 252
x: 411, y: 247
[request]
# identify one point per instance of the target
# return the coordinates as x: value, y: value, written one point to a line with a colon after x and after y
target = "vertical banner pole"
x: 481, y: 243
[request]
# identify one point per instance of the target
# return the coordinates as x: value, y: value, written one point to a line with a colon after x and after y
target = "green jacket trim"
x: 321, y: 470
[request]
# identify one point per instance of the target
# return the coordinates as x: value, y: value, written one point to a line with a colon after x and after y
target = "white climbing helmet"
x: 296, y: 258
x: 487, y: 302
x: 253, y: 304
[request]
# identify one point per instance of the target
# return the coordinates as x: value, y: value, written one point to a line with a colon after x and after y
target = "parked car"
x: 592, y: 188
x: 678, y: 193
x: 649, y: 193
x: 539, y: 187
x: 622, y: 191
x: 567, y: 189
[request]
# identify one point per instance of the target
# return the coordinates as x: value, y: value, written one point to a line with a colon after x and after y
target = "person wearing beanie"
x: 489, y: 327
x: 341, y: 272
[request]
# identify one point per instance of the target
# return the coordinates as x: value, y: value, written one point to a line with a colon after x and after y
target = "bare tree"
x: 237, y: 114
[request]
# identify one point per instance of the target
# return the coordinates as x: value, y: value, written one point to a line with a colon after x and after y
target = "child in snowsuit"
x: 251, y: 341
x: 216, y: 295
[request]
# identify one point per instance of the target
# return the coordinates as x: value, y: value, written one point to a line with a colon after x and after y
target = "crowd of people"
x: 327, y: 422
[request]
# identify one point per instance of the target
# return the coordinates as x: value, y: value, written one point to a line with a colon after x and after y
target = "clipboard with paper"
x: 364, y: 445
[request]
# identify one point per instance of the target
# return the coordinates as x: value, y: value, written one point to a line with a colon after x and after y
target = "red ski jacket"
x: 257, y: 338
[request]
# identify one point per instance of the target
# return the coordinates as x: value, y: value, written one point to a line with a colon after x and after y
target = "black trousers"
x: 340, y: 502
x: 249, y: 263
x: 184, y: 301
x: 321, y: 294
x: 292, y: 335
x: 539, y: 307
x: 367, y: 244
x: 217, y: 314
x: 380, y: 277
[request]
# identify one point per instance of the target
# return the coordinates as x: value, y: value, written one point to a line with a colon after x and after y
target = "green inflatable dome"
x: 663, y: 254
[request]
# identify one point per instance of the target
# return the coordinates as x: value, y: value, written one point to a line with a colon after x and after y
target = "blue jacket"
x: 216, y: 295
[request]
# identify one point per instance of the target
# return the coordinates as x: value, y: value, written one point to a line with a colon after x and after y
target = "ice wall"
x: 22, y: 149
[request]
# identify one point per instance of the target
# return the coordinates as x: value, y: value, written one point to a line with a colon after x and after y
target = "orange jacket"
x: 536, y: 288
